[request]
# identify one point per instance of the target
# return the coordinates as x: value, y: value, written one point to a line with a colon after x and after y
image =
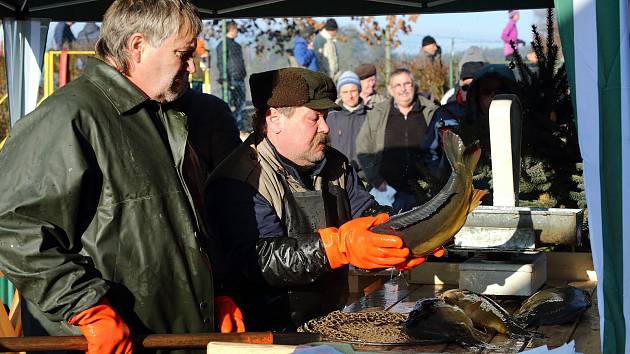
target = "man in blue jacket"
x: 303, y: 50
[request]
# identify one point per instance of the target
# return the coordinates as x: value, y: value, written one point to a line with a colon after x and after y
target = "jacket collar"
x: 121, y: 92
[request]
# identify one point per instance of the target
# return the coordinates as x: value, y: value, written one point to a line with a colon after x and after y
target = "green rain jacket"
x: 94, y: 202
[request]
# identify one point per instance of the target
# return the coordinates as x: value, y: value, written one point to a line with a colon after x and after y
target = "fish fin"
x: 471, y: 156
x: 477, y: 195
x: 453, y: 149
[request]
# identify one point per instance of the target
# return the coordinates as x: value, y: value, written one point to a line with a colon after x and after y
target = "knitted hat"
x: 428, y: 40
x: 365, y: 70
x: 348, y: 77
x: 330, y: 25
x: 292, y: 87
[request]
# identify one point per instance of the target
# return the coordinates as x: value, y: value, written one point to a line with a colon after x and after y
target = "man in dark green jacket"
x: 99, y: 226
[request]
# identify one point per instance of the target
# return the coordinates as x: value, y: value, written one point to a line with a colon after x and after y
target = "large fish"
x: 434, y: 320
x: 553, y: 306
x: 484, y: 312
x: 427, y: 227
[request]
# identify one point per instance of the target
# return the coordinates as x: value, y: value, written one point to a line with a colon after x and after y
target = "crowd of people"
x: 132, y: 207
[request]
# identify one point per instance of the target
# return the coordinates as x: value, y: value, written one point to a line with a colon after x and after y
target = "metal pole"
x: 450, y: 69
x: 388, y: 53
x: 224, y: 74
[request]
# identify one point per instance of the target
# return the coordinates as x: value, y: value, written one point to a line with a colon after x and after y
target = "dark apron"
x: 285, y: 309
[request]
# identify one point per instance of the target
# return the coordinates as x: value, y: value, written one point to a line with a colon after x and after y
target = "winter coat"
x: 235, y: 64
x: 344, y: 127
x: 304, y: 56
x: 94, y: 198
x: 509, y: 33
x: 325, y: 47
x: 371, y: 137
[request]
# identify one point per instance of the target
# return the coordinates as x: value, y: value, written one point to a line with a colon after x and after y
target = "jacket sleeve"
x: 255, y: 243
x: 366, y: 154
x: 506, y: 35
x: 219, y: 61
x: 302, y: 54
x: 51, y: 186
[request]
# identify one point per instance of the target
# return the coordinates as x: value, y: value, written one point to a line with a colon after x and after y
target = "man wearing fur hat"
x: 294, y: 220
x: 369, y: 95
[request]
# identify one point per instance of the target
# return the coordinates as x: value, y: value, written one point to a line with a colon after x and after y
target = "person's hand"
x: 104, y: 329
x: 416, y: 261
x: 354, y: 244
x: 229, y: 315
x: 382, y: 187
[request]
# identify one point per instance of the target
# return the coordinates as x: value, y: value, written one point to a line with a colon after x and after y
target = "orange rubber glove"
x: 416, y: 261
x: 229, y: 315
x: 104, y: 330
x: 354, y: 244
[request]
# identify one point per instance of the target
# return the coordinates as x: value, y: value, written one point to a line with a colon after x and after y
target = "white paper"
x: 386, y: 197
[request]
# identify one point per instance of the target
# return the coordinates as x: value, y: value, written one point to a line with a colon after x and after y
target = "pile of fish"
x: 427, y: 227
x: 553, y: 306
x: 435, y: 320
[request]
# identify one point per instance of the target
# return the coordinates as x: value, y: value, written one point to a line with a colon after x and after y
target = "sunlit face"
x: 302, y: 137
x: 333, y: 33
x: 165, y: 69
x: 430, y: 48
x: 349, y: 95
x: 402, y: 89
x: 368, y: 85
x: 464, y: 85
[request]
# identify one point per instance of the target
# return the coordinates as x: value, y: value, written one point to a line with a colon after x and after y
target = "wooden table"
x: 396, y: 295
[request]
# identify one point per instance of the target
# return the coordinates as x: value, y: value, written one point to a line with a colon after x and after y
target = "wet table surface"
x: 397, y: 295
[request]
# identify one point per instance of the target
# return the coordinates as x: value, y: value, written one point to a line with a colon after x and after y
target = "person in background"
x: 101, y: 193
x: 64, y: 38
x: 325, y: 47
x: 487, y: 82
x: 430, y: 51
x: 201, y: 65
x: 369, y: 95
x: 303, y: 50
x: 472, y: 54
x: 345, y: 124
x: 392, y: 145
x: 86, y: 40
x: 450, y: 115
x: 510, y: 34
x: 236, y: 72
x: 294, y: 219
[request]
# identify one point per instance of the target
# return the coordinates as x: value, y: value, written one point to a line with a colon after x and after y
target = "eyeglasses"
x: 403, y: 84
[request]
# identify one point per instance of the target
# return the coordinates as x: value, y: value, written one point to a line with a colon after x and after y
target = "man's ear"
x: 135, y: 47
x: 272, y: 116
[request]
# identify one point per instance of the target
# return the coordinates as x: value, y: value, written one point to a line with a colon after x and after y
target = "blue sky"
x: 473, y: 28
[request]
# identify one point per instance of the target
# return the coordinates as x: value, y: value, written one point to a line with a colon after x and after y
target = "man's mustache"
x: 320, y: 138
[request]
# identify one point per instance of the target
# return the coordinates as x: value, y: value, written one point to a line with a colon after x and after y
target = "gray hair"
x: 155, y: 19
x: 401, y: 71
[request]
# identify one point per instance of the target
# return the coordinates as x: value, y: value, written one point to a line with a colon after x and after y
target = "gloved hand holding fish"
x: 427, y: 227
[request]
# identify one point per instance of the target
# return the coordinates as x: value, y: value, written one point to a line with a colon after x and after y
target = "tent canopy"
x: 93, y: 10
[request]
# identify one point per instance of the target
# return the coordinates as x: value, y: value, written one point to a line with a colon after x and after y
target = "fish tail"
x: 453, y: 149
x: 477, y: 195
